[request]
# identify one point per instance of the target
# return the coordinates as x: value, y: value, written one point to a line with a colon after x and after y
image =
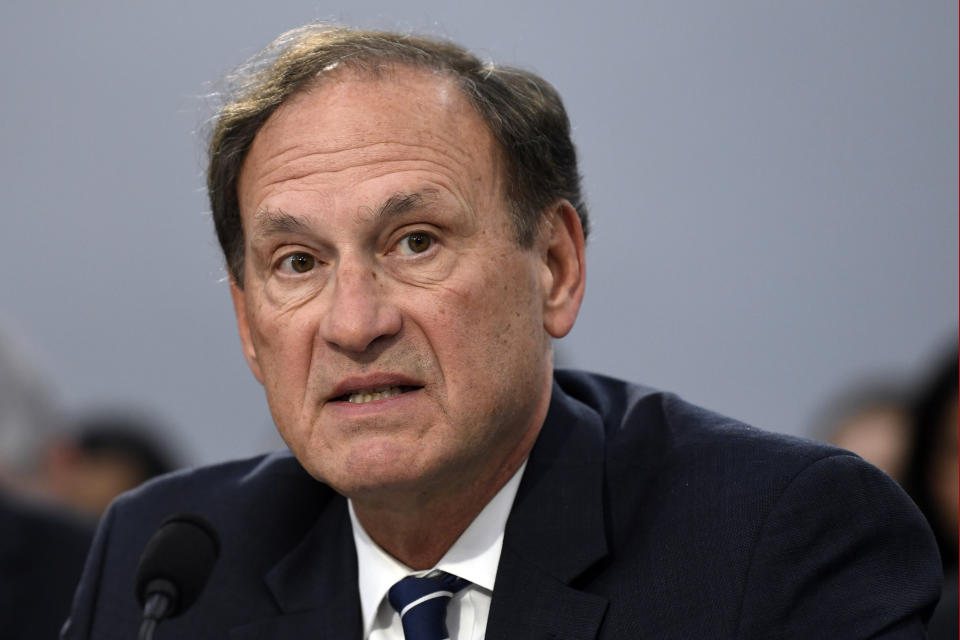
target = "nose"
x: 360, y: 311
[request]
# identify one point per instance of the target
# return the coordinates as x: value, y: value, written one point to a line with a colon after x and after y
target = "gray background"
x: 773, y: 185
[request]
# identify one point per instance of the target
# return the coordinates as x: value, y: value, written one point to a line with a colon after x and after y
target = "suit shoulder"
x: 781, y: 528
x: 645, y: 426
x: 216, y: 478
x: 269, y: 484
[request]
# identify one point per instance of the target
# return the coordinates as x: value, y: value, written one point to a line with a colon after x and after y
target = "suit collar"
x: 555, y: 532
x: 315, y: 585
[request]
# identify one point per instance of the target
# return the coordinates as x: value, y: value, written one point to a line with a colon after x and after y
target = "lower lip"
x: 355, y: 409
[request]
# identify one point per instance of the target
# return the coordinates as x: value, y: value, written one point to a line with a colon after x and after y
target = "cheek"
x: 510, y: 302
x: 495, y: 304
x: 488, y: 329
x: 284, y: 344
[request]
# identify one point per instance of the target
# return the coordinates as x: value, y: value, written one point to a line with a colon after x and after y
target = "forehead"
x: 356, y: 122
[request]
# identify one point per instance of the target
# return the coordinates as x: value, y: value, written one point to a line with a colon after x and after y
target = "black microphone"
x: 174, y: 568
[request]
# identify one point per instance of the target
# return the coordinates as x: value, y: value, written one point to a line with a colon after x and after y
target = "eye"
x: 298, y: 263
x: 414, y: 243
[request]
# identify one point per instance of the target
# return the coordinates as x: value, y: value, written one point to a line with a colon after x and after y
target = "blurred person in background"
x: 81, y: 463
x: 933, y: 480
x: 102, y: 455
x: 873, y: 420
x: 42, y: 547
x: 42, y: 550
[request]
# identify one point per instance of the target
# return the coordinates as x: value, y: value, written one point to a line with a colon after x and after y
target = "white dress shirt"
x: 474, y: 557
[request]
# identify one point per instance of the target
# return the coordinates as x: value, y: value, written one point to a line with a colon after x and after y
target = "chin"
x: 368, y: 469
x: 385, y: 486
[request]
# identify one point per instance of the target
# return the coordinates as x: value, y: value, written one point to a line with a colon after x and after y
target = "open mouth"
x: 362, y: 396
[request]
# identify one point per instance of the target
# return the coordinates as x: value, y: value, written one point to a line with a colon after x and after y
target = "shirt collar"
x: 474, y: 556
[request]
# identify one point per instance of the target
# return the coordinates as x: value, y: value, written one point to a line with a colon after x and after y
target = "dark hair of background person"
x: 103, y: 454
x: 933, y: 438
x: 932, y: 480
x: 124, y: 437
x: 523, y: 111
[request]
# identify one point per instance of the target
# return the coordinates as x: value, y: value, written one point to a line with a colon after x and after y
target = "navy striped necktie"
x: 422, y: 604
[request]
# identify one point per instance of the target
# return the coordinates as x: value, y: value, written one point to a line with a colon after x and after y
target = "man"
x: 404, y: 233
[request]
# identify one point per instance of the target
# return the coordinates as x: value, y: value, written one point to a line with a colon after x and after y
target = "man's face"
x: 396, y: 324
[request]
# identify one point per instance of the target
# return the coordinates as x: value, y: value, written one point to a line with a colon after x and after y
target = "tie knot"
x: 422, y: 604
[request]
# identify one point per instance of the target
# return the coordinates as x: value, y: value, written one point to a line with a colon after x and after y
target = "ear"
x: 243, y: 327
x: 563, y: 255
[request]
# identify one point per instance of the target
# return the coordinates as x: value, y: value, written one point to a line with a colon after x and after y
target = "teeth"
x: 369, y: 395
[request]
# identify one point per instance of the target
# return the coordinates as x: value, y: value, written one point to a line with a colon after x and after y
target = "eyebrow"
x: 400, y: 203
x: 277, y: 222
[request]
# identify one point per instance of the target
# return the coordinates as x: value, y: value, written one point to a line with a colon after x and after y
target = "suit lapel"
x: 315, y: 585
x: 555, y: 532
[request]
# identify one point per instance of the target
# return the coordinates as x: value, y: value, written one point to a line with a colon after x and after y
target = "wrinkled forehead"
x: 351, y: 119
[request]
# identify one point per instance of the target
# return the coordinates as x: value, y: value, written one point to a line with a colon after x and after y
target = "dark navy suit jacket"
x: 638, y: 516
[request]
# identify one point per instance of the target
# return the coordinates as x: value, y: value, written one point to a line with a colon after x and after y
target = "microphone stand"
x: 162, y: 594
